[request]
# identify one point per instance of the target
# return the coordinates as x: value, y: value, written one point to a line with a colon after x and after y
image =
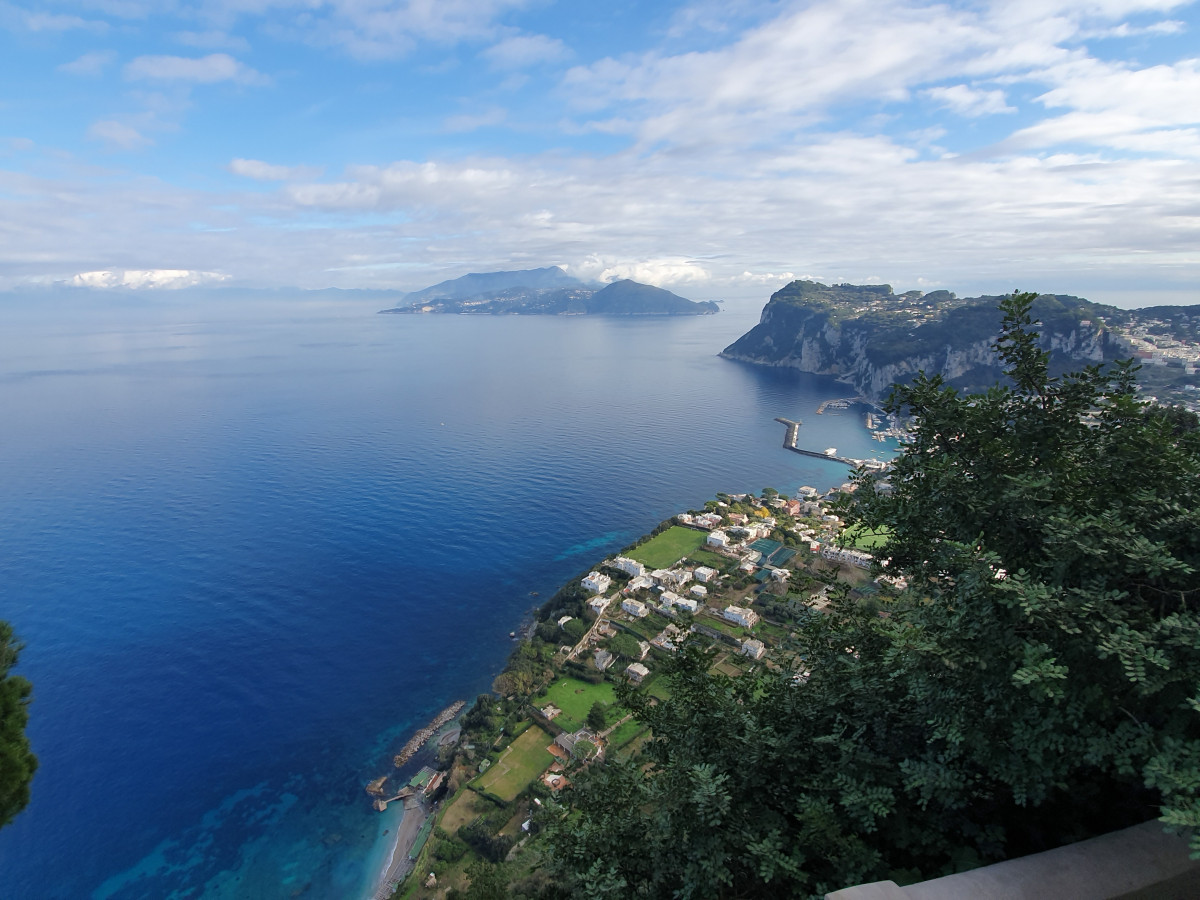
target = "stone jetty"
x: 415, y: 742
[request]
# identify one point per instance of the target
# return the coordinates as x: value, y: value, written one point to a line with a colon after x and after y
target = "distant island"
x: 547, y: 292
x: 870, y: 337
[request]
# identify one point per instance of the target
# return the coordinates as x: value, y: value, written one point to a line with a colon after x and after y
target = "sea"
x: 251, y: 543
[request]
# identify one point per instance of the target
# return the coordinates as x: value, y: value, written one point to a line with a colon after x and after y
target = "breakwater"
x: 789, y: 442
x: 415, y: 742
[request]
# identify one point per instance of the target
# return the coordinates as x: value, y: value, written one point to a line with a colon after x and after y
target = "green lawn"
x: 625, y: 733
x: 575, y: 698
x: 712, y: 560
x: 522, y: 761
x: 668, y: 548
x: 867, y: 540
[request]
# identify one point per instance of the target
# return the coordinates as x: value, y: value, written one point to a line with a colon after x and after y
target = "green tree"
x: 1036, y: 683
x: 597, y: 716
x: 17, y: 762
x: 626, y: 645
x: 488, y: 882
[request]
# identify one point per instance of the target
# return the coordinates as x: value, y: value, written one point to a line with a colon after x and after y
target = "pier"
x: 789, y: 443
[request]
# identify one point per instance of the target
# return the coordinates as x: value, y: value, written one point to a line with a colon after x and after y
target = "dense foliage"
x: 1036, y: 683
x: 17, y: 762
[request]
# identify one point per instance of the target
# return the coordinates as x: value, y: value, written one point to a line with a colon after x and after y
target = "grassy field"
x: 521, y: 762
x: 867, y: 540
x: 575, y: 698
x: 666, y: 549
x: 727, y: 667
x: 625, y: 733
x: 467, y: 808
x: 712, y: 560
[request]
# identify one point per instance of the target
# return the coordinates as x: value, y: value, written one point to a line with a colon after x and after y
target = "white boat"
x: 831, y: 451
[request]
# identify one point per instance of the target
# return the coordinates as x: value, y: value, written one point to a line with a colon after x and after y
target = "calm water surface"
x: 250, y: 547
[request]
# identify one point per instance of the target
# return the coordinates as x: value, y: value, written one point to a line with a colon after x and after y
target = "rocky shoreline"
x: 417, y: 740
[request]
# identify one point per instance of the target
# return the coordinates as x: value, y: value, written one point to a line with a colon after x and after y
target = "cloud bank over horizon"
x: 714, y: 149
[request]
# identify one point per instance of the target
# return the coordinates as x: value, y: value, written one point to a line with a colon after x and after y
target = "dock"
x: 789, y: 443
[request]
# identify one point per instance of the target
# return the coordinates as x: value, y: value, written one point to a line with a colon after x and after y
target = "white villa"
x: 753, y: 648
x: 704, y: 574
x: 596, y: 583
x: 717, y: 539
x: 628, y: 566
x: 635, y: 608
x: 741, y: 616
x: 636, y: 672
x: 599, y: 604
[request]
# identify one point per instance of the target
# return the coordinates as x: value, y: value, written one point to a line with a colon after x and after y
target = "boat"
x: 831, y: 451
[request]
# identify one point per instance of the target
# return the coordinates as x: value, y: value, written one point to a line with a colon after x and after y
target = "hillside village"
x: 738, y: 577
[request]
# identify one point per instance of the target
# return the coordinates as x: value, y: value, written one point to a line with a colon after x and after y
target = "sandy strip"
x: 406, y: 834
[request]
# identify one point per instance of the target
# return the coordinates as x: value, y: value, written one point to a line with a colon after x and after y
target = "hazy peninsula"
x: 547, y: 292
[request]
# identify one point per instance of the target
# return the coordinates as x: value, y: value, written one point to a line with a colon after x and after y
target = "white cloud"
x: 143, y: 279
x: 968, y: 101
x: 383, y: 29
x: 209, y: 69
x: 93, y: 63
x: 117, y: 134
x: 262, y: 171
x: 524, y: 50
x: 496, y: 115
x: 659, y: 272
x: 62, y: 22
x: 212, y: 40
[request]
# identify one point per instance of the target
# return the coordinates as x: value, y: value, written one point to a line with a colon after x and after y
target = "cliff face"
x: 870, y: 338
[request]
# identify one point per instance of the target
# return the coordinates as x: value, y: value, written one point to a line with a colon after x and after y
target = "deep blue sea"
x: 250, y: 545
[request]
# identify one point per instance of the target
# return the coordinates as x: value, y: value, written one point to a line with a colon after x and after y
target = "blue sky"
x: 719, y: 149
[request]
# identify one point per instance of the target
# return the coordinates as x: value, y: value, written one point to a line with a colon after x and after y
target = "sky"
x: 720, y: 149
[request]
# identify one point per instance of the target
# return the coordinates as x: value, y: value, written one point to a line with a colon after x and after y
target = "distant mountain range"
x: 870, y: 337
x: 547, y: 292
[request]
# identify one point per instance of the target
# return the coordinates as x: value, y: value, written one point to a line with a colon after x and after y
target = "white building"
x: 596, y: 583
x: 603, y: 659
x: 753, y: 648
x: 704, y: 574
x: 628, y: 566
x: 635, y: 608
x: 687, y: 604
x: 636, y: 672
x: 599, y: 604
x: 847, y: 555
x: 741, y: 616
x: 699, y: 591
x: 717, y: 539
x: 639, y: 583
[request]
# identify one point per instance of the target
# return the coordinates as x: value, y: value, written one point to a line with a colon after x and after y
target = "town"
x: 739, y: 577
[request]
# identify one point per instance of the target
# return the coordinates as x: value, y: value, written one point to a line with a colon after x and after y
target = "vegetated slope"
x: 630, y: 298
x: 478, y: 284
x: 870, y: 337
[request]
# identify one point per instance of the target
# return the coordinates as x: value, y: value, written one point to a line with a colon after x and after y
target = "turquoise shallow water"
x: 250, y: 547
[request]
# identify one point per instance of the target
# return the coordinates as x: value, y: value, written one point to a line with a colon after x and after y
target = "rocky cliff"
x: 870, y: 338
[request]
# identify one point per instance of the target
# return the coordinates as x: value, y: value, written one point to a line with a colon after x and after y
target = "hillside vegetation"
x: 1035, y: 685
